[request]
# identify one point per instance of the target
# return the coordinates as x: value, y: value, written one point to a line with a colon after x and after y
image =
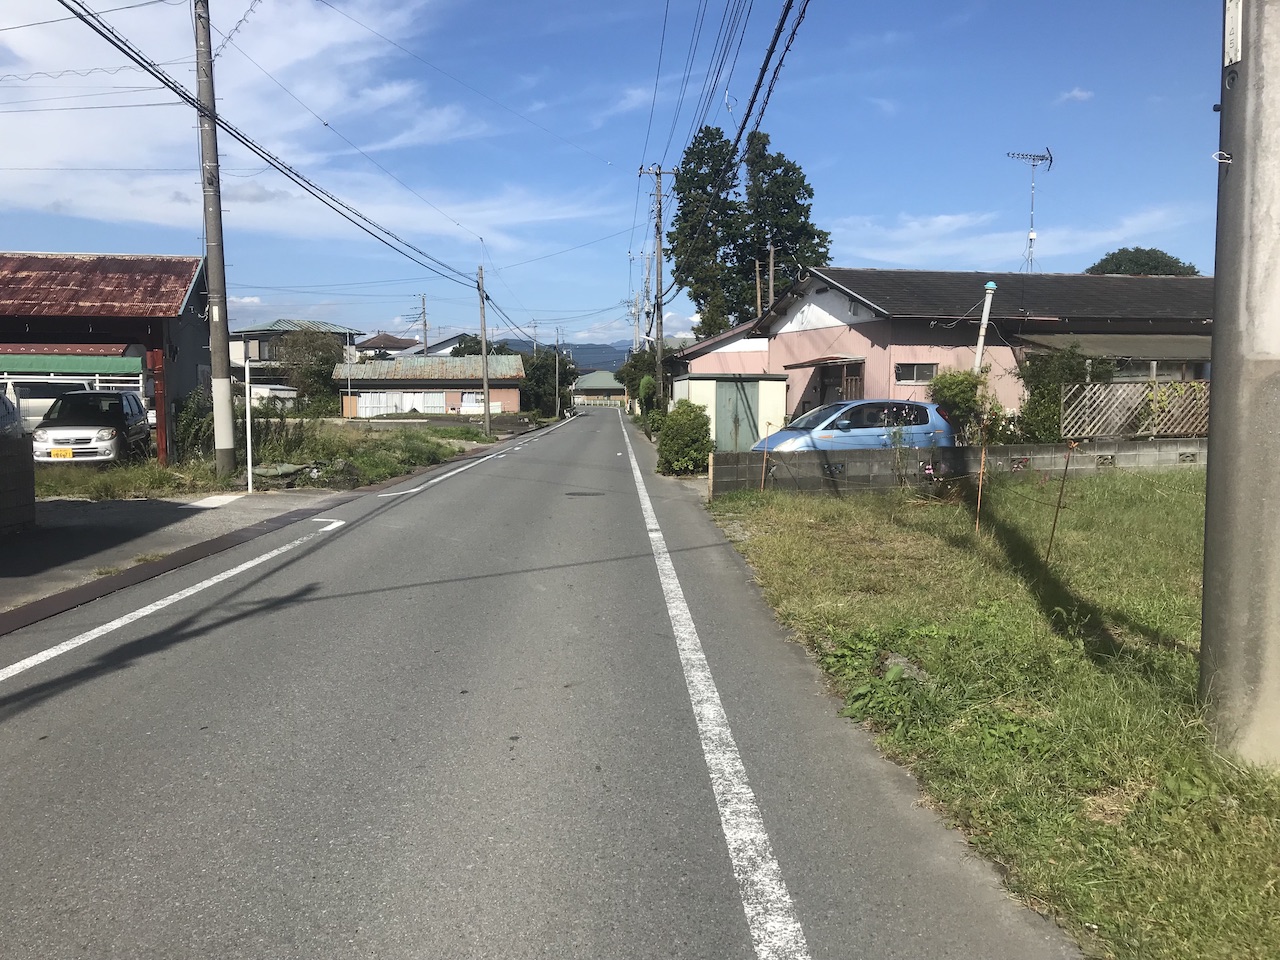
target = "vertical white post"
x: 248, y: 426
x: 982, y: 327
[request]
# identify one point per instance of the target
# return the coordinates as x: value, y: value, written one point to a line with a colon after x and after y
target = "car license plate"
x: 60, y: 453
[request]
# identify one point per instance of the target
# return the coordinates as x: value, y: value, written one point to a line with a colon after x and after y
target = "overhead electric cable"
x: 341, y: 136
x: 465, y: 85
x: 344, y: 209
x: 131, y: 6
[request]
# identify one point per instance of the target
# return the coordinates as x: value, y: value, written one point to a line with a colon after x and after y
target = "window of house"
x: 914, y: 372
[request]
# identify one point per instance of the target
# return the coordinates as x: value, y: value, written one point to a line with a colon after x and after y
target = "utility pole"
x: 990, y: 288
x: 215, y: 260
x: 424, y: 323
x: 1240, y: 633
x: 557, y: 373
x: 484, y: 349
x: 659, y: 344
x: 771, y: 273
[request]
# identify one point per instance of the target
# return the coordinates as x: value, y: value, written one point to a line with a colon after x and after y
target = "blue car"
x: 863, y: 425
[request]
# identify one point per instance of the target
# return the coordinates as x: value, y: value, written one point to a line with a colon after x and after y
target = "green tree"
x: 308, y: 358
x: 468, y: 345
x: 705, y: 227
x: 778, y: 209
x: 726, y: 221
x: 640, y: 364
x: 1143, y: 261
x: 538, y: 388
x: 1043, y: 375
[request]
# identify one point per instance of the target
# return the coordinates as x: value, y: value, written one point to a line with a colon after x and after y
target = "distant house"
x: 128, y: 318
x: 258, y: 342
x: 853, y: 333
x: 429, y: 385
x: 599, y: 388
x: 387, y: 346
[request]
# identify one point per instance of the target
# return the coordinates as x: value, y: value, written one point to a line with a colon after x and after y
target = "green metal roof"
x: 107, y: 366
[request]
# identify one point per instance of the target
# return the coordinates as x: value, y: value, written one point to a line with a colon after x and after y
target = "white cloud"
x: 1074, y: 94
x: 884, y: 105
x: 631, y: 100
x: 966, y: 241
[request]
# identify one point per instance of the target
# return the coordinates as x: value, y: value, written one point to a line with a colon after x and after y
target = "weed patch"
x: 1048, y: 708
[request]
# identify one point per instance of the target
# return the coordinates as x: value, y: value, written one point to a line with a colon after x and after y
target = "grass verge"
x: 1049, y: 708
x: 334, y: 455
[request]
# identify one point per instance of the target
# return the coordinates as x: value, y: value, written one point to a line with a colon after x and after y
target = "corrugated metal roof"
x: 598, y: 380
x: 120, y: 366
x: 94, y: 285
x: 385, y: 341
x: 291, y: 326
x: 431, y: 368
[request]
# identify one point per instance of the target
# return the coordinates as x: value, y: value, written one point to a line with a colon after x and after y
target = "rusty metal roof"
x: 95, y: 285
x: 431, y: 368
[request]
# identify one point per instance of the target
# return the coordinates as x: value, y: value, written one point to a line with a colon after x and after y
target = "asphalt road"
x: 529, y: 706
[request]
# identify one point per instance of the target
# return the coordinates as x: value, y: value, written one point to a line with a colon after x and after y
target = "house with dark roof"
x: 382, y: 346
x: 851, y: 333
x: 107, y: 315
x: 256, y: 343
x: 599, y: 388
x: 429, y: 385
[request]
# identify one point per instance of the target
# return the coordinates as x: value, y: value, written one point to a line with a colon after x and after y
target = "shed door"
x: 737, y: 406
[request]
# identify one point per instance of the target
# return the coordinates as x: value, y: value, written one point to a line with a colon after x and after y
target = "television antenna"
x: 1033, y: 160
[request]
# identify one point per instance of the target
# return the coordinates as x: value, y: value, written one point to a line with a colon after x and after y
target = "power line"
x: 227, y: 37
x: 374, y: 229
x: 341, y: 136
x: 479, y: 93
x: 131, y: 6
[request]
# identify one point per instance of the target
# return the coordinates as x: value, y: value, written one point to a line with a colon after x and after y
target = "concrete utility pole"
x: 424, y: 323
x: 659, y: 344
x: 1240, y: 638
x: 224, y: 442
x: 990, y: 288
x: 484, y: 349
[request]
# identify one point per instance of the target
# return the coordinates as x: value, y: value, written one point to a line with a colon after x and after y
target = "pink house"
x: 853, y: 333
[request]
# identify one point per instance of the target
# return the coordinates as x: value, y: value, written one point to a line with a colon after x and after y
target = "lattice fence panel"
x: 1097, y: 410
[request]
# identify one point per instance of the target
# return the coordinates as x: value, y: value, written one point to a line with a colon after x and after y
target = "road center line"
x: 444, y: 476
x: 771, y: 916
x: 68, y: 645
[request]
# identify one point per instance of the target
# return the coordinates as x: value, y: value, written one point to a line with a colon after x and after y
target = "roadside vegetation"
x: 293, y: 452
x: 1048, y: 708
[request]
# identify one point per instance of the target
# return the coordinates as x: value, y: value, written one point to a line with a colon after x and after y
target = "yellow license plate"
x: 60, y: 453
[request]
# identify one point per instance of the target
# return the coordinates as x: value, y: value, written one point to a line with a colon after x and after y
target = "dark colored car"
x: 863, y: 425
x: 95, y: 426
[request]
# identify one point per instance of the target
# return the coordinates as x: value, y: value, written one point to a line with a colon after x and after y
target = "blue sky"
x: 510, y: 134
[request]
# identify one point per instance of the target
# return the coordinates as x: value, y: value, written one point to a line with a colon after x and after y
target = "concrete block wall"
x: 17, y: 484
x: 849, y: 471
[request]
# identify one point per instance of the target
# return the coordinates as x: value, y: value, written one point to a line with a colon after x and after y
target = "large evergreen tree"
x: 705, y: 228
x: 723, y: 226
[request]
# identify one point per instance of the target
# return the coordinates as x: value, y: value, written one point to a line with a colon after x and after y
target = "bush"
x: 972, y: 410
x: 685, y: 441
x: 654, y: 420
x: 1044, y: 375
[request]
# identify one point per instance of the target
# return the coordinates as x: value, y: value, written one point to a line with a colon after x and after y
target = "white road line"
x: 771, y: 916
x: 444, y: 476
x: 332, y: 524
x: 218, y: 500
x: 68, y: 645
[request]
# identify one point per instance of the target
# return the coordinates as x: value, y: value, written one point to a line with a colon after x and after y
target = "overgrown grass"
x: 1049, y: 708
x: 334, y: 455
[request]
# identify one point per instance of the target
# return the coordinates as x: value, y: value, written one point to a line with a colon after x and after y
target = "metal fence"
x: 1135, y: 410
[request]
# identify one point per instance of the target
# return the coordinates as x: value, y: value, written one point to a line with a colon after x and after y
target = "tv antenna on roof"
x: 1033, y: 160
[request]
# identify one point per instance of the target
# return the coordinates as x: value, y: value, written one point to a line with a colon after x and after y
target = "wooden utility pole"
x: 224, y: 442
x: 1240, y: 636
x: 484, y: 350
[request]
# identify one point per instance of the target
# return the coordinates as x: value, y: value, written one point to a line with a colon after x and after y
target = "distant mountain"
x: 587, y: 356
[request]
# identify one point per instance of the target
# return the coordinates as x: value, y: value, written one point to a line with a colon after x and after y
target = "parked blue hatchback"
x: 863, y: 425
